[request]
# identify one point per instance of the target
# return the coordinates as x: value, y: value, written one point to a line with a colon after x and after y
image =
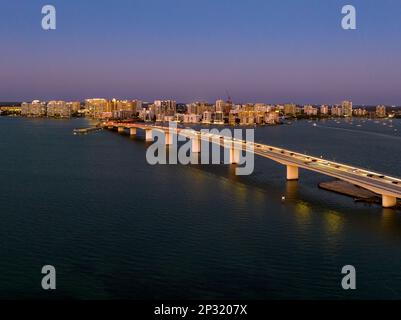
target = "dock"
x: 86, y: 130
x: 358, y: 193
x: 348, y: 189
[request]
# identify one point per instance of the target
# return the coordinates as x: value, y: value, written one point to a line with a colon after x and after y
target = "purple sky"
x: 260, y: 51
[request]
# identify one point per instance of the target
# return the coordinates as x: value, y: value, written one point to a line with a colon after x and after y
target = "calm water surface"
x: 116, y: 227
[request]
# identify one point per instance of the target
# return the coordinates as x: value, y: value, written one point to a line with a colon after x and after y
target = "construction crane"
x: 229, y: 100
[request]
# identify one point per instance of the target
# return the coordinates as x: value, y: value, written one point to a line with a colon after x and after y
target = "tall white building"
x: 220, y: 104
x: 324, y: 110
x: 58, y: 109
x: 381, y: 111
x: 310, y: 110
x: 33, y: 109
x: 347, y: 108
x: 166, y: 107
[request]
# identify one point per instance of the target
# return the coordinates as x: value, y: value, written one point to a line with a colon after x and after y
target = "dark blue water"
x: 116, y: 227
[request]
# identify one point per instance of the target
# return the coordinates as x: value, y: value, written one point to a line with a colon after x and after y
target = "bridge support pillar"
x: 196, y: 145
x: 234, y: 155
x: 132, y: 131
x: 168, y: 136
x: 388, y: 201
x: 292, y: 173
x: 148, y: 135
x: 121, y: 129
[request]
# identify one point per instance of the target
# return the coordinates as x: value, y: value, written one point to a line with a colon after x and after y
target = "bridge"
x: 388, y: 187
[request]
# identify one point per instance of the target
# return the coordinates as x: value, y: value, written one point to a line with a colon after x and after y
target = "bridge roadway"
x: 386, y: 186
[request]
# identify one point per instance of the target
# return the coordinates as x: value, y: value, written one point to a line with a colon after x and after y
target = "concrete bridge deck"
x: 388, y: 187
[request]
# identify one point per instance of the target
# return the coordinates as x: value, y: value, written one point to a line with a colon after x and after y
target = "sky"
x: 273, y: 51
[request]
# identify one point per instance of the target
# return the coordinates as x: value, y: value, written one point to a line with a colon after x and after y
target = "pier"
x: 86, y: 130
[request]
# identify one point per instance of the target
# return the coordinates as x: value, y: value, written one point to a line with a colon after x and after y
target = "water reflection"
x: 334, y: 222
x: 303, y: 212
x: 390, y: 220
x: 291, y: 190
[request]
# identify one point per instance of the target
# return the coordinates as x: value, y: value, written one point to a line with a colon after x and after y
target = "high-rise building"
x: 137, y: 105
x: 75, y: 106
x: 166, y: 107
x: 381, y: 111
x: 324, y: 110
x: 33, y: 109
x: 219, y: 117
x: 347, y: 108
x: 99, y: 108
x: 220, y: 104
x: 290, y: 109
x: 359, y: 112
x: 272, y: 117
x: 310, y: 110
x: 207, y: 117
x: 337, y: 111
x: 58, y: 109
x: 261, y: 107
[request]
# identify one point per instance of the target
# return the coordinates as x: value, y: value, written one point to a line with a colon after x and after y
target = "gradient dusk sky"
x: 272, y: 51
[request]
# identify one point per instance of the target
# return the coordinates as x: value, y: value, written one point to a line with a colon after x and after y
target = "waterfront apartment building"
x: 381, y: 111
x: 119, y: 109
x: 124, y: 109
x: 272, y: 117
x: 337, y: 111
x: 207, y: 117
x: 75, y: 106
x: 220, y: 105
x: 98, y: 108
x: 310, y: 110
x: 232, y: 117
x: 58, y: 109
x: 290, y: 109
x: 191, y: 118
x: 219, y: 117
x: 147, y: 114
x: 166, y: 107
x: 360, y: 112
x: 199, y: 107
x: 223, y: 106
x: 34, y: 109
x: 324, y: 110
x: 262, y: 107
x: 347, y: 108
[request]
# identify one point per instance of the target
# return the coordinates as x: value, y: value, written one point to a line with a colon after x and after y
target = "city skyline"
x: 279, y: 52
x: 220, y: 112
x: 222, y: 98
